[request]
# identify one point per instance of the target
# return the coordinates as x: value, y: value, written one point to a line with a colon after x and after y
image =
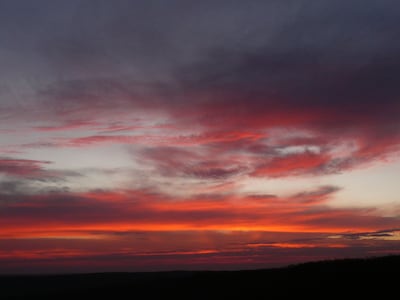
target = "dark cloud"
x: 317, y: 69
x: 15, y: 189
x: 22, y: 167
x: 302, y: 92
x: 386, y: 234
x: 10, y: 186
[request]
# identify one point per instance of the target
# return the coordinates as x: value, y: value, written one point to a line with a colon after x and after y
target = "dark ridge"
x: 377, y: 276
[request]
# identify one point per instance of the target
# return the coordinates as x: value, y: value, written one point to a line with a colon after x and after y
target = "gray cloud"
x: 386, y: 234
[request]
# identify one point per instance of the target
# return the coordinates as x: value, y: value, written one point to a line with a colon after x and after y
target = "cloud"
x: 22, y: 167
x: 136, y: 210
x: 207, y: 250
x: 293, y: 164
x: 204, y: 97
x: 68, y: 125
x: 21, y: 177
x: 10, y: 186
x: 316, y: 196
x: 197, y: 163
x: 231, y: 93
x: 246, y: 117
x: 386, y: 235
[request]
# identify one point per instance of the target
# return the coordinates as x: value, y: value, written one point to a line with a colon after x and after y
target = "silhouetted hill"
x: 337, y: 278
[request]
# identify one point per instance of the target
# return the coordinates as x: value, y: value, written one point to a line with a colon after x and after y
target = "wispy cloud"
x: 196, y: 119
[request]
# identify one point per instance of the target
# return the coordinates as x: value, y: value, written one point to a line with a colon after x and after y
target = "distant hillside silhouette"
x: 339, y: 278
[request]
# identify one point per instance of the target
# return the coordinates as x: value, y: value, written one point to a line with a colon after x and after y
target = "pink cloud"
x: 22, y: 167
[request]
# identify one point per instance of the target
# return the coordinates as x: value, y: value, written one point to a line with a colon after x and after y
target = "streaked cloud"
x: 196, y: 134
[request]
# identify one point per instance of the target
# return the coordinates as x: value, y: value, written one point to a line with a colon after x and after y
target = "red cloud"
x: 225, y: 121
x: 293, y: 164
x: 59, y: 215
x: 138, y: 230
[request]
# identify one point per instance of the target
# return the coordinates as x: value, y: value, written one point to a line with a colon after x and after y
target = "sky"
x: 197, y: 135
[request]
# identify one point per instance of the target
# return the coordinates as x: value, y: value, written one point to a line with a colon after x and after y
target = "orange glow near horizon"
x: 89, y: 231
x: 132, y: 138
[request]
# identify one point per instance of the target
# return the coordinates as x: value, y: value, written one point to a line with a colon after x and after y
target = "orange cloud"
x: 69, y: 215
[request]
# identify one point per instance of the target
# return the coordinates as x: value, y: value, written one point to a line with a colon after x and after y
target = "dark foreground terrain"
x: 374, y: 277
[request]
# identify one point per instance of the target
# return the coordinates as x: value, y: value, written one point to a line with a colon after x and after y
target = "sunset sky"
x: 191, y: 135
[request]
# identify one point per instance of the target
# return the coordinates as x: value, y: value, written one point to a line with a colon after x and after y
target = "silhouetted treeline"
x: 373, y: 277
